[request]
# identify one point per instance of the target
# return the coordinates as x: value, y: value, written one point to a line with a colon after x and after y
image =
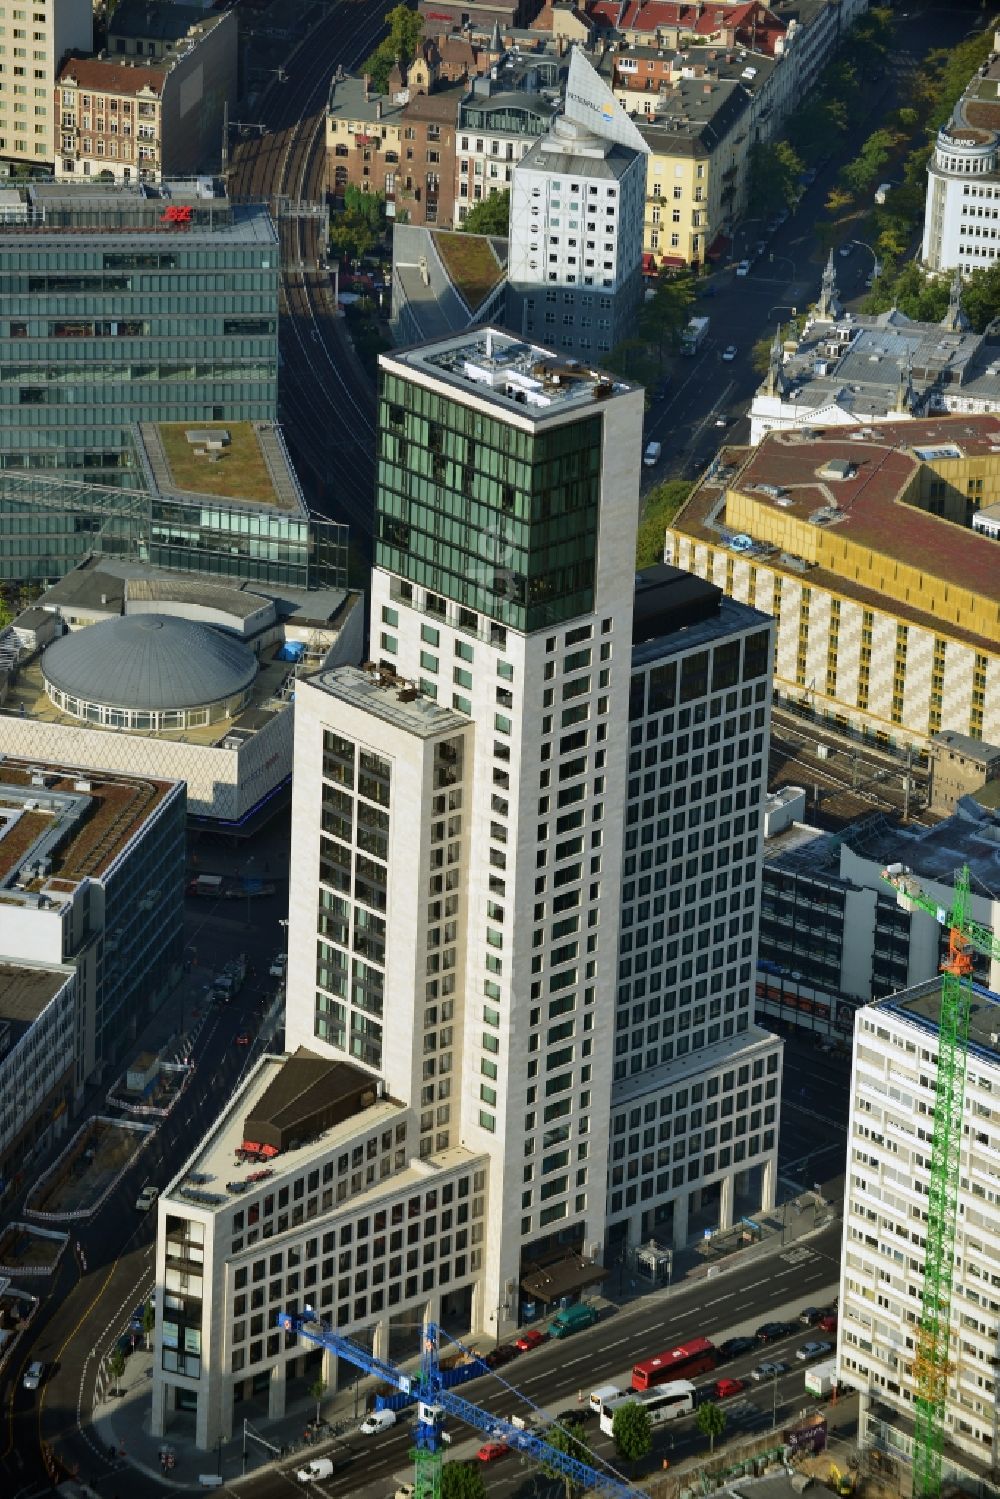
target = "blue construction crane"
x: 434, y: 1402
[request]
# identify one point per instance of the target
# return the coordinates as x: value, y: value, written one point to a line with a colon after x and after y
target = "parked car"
x: 530, y: 1339
x: 489, y: 1452
x: 769, y: 1370
x: 736, y: 1347
x: 651, y: 456
x: 724, y: 1388
x: 813, y: 1349
x: 847, y: 249
x: 33, y: 1375
x: 242, y: 1038
x: 126, y: 1344
x: 146, y: 1198
x: 137, y: 1320
x: 743, y: 269
x: 729, y: 353
x: 770, y: 1332
x: 277, y: 969
x: 502, y: 1354
x: 376, y: 1422
x: 810, y: 1315
x: 828, y: 1323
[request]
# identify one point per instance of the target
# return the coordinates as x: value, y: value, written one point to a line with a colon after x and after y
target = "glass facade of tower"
x: 97, y: 333
x: 49, y: 525
x: 500, y: 520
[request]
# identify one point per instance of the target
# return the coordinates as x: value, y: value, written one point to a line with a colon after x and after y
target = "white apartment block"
x: 888, y: 1173
x: 498, y: 121
x: 962, y: 207
x: 35, y: 35
x: 696, y: 1083
x: 577, y: 207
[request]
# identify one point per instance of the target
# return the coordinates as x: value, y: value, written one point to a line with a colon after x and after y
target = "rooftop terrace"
x: 25, y: 990
x: 391, y: 699
x: 243, y: 463
x: 518, y: 377
x: 59, y: 825
x: 922, y: 1004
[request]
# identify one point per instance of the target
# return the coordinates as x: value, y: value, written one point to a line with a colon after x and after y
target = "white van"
x: 377, y: 1421
x: 319, y: 1467
x: 651, y: 456
x: 600, y: 1397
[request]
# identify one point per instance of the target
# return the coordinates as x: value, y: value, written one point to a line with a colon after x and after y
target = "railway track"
x: 326, y: 410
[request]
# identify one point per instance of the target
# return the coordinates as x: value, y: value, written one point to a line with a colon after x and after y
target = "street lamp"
x: 783, y: 307
x: 502, y: 1309
x: 877, y: 265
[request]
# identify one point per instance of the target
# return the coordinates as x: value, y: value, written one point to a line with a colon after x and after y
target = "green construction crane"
x: 931, y: 1366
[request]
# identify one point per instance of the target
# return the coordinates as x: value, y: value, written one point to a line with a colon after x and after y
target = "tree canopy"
x: 631, y: 1431
x: 710, y: 1421
x: 661, y: 505
x: 357, y: 230
x: 568, y: 1439
x: 405, y: 30
x: 664, y: 317
x: 489, y: 216
x: 462, y: 1481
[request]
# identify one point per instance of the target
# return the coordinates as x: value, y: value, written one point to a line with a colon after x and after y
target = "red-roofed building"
x: 133, y: 121
x: 859, y: 541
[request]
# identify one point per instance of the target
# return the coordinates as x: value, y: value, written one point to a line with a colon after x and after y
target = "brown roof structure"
x: 309, y: 1095
x: 869, y: 502
x: 104, y: 76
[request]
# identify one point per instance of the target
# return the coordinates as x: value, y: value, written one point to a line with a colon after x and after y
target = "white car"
x: 743, y: 269
x: 33, y: 1376
x: 847, y: 249
x: 277, y: 969
x: 376, y: 1422
x: 320, y: 1467
x: 729, y: 353
x: 146, y: 1198
x: 813, y: 1350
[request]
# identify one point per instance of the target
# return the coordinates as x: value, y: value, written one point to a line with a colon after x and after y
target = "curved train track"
x: 325, y: 405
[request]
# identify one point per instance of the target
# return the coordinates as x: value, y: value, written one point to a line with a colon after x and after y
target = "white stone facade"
x: 888, y: 1173
x: 350, y: 1224
x: 696, y: 1084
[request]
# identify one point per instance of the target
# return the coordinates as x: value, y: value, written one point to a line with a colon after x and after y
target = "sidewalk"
x: 123, y: 1420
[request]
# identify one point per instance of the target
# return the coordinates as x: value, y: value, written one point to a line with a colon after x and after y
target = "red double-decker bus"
x: 679, y: 1363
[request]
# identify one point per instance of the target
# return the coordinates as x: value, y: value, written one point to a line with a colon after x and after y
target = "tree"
x: 116, y: 1366
x: 462, y: 1481
x: 631, y: 1431
x: 316, y: 1392
x: 148, y: 1321
x: 775, y: 169
x: 661, y: 505
x: 710, y: 1421
x: 368, y: 206
x: 568, y: 1439
x: 665, y: 316
x: 400, y: 46
x: 357, y: 230
x: 490, y: 215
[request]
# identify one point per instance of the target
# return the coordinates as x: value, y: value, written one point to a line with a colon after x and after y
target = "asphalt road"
x: 88, y: 1301
x: 787, y: 275
x: 552, y: 1376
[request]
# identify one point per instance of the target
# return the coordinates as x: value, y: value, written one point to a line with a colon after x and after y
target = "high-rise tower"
x: 475, y: 851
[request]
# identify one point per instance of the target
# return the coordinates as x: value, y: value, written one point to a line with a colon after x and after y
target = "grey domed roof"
x: 149, y: 661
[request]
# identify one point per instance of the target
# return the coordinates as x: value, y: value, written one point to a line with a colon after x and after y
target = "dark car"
x: 736, y: 1347
x: 810, y: 1315
x: 770, y: 1332
x: 502, y: 1355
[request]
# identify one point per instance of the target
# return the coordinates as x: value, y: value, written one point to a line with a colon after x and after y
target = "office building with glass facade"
x: 128, y: 311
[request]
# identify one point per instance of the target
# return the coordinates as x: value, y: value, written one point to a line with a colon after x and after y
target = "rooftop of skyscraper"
x: 185, y: 209
x: 922, y: 1005
x: 391, y: 698
x: 513, y: 373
